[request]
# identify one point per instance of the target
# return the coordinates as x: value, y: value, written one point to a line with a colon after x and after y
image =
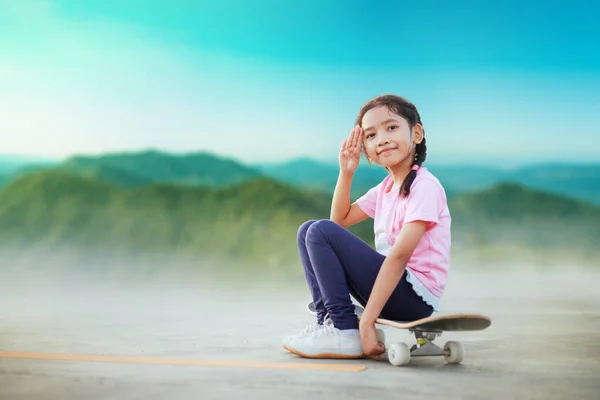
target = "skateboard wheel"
x: 399, y: 354
x: 455, y: 352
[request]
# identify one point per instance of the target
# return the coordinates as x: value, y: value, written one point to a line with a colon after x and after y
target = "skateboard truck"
x: 399, y: 353
x: 424, y: 345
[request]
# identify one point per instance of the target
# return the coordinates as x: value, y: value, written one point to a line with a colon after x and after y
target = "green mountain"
x: 141, y: 168
x: 572, y: 180
x: 4, y: 178
x: 578, y: 181
x: 136, y: 169
x: 510, y: 213
x: 581, y: 181
x: 307, y: 173
x: 254, y: 222
x: 106, y: 173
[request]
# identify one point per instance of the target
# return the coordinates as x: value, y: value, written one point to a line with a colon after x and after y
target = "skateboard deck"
x: 438, y: 323
x: 425, y: 331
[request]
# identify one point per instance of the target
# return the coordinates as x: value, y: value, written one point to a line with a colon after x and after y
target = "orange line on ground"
x: 183, y: 361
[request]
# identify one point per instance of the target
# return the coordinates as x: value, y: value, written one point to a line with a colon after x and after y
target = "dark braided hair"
x: 408, y: 111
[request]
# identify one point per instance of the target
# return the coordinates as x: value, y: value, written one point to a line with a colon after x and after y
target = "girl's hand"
x: 372, y: 347
x: 350, y: 151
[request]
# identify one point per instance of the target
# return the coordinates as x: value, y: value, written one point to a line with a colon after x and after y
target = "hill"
x: 510, y: 213
x: 578, y: 181
x: 255, y: 222
x: 307, y: 173
x: 4, y: 179
x: 134, y: 169
x: 106, y: 173
x: 572, y: 180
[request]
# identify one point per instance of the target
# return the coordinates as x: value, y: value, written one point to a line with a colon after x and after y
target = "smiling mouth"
x: 385, y: 151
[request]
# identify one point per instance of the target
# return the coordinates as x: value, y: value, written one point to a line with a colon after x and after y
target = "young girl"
x: 405, y: 275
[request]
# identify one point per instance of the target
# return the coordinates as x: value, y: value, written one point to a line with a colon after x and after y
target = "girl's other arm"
x: 392, y: 269
x: 342, y: 212
x: 387, y: 279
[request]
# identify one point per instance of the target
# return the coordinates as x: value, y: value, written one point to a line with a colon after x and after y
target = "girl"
x: 405, y: 275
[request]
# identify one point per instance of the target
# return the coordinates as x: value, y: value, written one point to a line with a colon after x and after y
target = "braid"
x: 420, y: 156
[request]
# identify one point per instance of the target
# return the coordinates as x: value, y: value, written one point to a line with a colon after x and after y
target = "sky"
x: 496, y: 82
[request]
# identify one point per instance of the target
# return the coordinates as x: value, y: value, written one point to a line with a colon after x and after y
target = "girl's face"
x: 388, y: 138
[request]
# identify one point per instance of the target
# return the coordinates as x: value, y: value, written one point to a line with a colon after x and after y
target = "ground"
x: 543, y: 342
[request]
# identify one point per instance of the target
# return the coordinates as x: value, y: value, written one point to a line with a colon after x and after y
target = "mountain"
x: 134, y: 169
x: 106, y: 173
x: 511, y: 213
x: 254, y: 223
x: 579, y: 181
x: 4, y: 178
x: 307, y: 173
x: 251, y: 222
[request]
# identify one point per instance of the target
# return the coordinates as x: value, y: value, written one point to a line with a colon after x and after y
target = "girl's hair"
x: 408, y: 111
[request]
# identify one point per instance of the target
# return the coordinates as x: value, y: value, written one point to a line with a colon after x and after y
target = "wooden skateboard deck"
x: 437, y: 323
x: 426, y: 330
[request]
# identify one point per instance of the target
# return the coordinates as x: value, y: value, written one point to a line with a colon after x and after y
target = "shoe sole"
x: 324, y: 355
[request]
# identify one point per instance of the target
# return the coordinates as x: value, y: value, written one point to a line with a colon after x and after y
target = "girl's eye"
x: 369, y: 135
x: 392, y: 127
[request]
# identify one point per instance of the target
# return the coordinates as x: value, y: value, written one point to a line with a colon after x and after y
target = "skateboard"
x: 425, y: 331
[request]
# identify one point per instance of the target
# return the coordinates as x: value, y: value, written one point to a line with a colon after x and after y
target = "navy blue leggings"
x: 338, y: 264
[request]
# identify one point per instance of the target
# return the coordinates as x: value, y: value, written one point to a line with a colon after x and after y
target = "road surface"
x: 100, y: 340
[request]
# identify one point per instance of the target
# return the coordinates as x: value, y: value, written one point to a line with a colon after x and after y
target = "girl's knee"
x: 322, y: 228
x: 303, y: 229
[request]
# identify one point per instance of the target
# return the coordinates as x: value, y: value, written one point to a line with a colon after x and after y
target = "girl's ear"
x: 418, y: 133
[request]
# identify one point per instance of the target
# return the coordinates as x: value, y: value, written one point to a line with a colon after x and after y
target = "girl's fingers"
x: 354, y: 140
x: 356, y: 136
x: 350, y: 139
x: 344, y: 143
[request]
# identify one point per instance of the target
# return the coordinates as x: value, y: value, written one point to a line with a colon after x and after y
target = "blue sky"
x: 497, y: 82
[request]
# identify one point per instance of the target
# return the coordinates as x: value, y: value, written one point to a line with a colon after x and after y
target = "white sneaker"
x: 327, y: 342
x: 306, y: 331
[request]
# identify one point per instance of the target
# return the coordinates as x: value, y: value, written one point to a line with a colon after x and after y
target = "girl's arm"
x: 422, y: 211
x: 392, y: 269
x: 342, y: 212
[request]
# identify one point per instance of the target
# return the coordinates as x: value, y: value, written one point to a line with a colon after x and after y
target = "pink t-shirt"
x: 430, y: 262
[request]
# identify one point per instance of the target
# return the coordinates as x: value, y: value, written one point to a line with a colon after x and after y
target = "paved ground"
x: 543, y: 343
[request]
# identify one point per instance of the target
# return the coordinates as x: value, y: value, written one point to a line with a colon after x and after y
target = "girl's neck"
x: 399, y: 171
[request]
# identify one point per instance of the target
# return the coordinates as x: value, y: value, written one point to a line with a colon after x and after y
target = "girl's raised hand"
x: 350, y: 151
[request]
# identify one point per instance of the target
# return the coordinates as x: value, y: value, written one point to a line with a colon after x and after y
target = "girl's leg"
x: 313, y: 286
x: 311, y: 279
x: 343, y: 264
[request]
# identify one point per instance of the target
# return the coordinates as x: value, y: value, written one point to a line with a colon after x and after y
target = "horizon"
x: 89, y: 79
x: 22, y: 160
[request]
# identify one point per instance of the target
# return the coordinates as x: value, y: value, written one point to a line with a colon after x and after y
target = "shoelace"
x: 326, y: 329
x: 311, y: 328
